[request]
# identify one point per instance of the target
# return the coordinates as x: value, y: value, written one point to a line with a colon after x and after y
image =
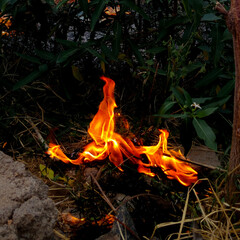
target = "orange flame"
x: 5, y: 20
x: 112, y: 11
x: 108, y: 143
x: 71, y: 220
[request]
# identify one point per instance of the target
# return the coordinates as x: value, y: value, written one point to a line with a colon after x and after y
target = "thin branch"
x: 221, y: 9
x: 103, y: 194
x: 38, y: 134
x: 194, y: 163
x: 113, y: 208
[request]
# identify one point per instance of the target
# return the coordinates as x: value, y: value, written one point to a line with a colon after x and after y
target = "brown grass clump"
x: 218, y: 220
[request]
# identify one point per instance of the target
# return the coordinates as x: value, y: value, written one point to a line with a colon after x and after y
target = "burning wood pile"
x: 107, y: 143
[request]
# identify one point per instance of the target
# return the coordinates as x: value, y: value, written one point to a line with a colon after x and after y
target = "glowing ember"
x: 112, y: 11
x: 5, y: 20
x: 107, y: 221
x: 71, y: 220
x: 108, y: 143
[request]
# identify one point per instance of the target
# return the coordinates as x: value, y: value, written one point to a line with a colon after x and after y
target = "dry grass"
x: 218, y: 220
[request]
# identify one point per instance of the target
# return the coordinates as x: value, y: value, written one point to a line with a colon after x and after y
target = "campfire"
x: 109, y: 144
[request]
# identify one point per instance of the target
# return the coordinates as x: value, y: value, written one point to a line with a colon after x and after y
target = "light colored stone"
x: 26, y: 212
x: 204, y: 155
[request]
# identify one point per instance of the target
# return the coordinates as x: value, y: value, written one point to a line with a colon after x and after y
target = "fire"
x: 71, y: 220
x: 106, y: 221
x: 5, y: 20
x: 107, y: 143
x: 112, y: 11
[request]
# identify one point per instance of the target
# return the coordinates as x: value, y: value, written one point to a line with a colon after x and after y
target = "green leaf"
x: 46, y: 55
x: 205, y: 48
x: 97, y: 13
x: 63, y: 56
x: 227, y: 89
x: 61, y: 3
x: 107, y: 52
x: 50, y: 2
x: 76, y: 73
x: 205, y: 133
x: 156, y: 50
x: 217, y: 102
x: 136, y: 52
x: 29, y: 58
x: 117, y: 29
x: 197, y: 5
x: 171, y: 115
x: 67, y: 43
x: 188, y: 99
x: 84, y: 5
x: 96, y: 54
x: 31, y: 77
x: 209, y: 78
x: 179, y: 95
x: 217, y: 44
x: 43, y: 68
x: 159, y: 71
x: 190, y: 68
x: 130, y: 4
x: 173, y: 21
x: 186, y: 5
x: 3, y: 4
x: 46, y: 172
x: 227, y: 35
x: 166, y: 106
x: 205, y: 112
x: 209, y: 17
x: 201, y: 100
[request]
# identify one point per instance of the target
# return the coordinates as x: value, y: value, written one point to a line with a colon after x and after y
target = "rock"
x: 118, y: 228
x: 26, y: 212
x: 204, y: 155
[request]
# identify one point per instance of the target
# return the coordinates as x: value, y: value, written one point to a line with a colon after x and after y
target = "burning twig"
x: 197, y: 164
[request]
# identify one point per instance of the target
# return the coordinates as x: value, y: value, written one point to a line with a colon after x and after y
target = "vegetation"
x: 173, y: 65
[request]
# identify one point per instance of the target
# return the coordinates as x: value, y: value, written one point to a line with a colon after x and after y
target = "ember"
x: 5, y: 21
x: 108, y: 143
x: 71, y: 220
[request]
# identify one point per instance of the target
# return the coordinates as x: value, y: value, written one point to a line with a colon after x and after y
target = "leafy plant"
x: 193, y: 113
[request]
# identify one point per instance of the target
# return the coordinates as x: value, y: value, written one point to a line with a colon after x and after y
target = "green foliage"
x: 168, y: 48
x: 193, y: 110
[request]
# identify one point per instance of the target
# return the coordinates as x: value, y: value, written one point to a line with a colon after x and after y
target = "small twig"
x: 49, y: 88
x: 100, y: 172
x: 60, y: 235
x: 125, y: 226
x: 39, y: 136
x: 166, y: 224
x: 103, y: 194
x: 113, y: 208
x: 234, y: 170
x: 60, y: 185
x: 194, y: 163
x: 154, y: 80
x: 221, y: 9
